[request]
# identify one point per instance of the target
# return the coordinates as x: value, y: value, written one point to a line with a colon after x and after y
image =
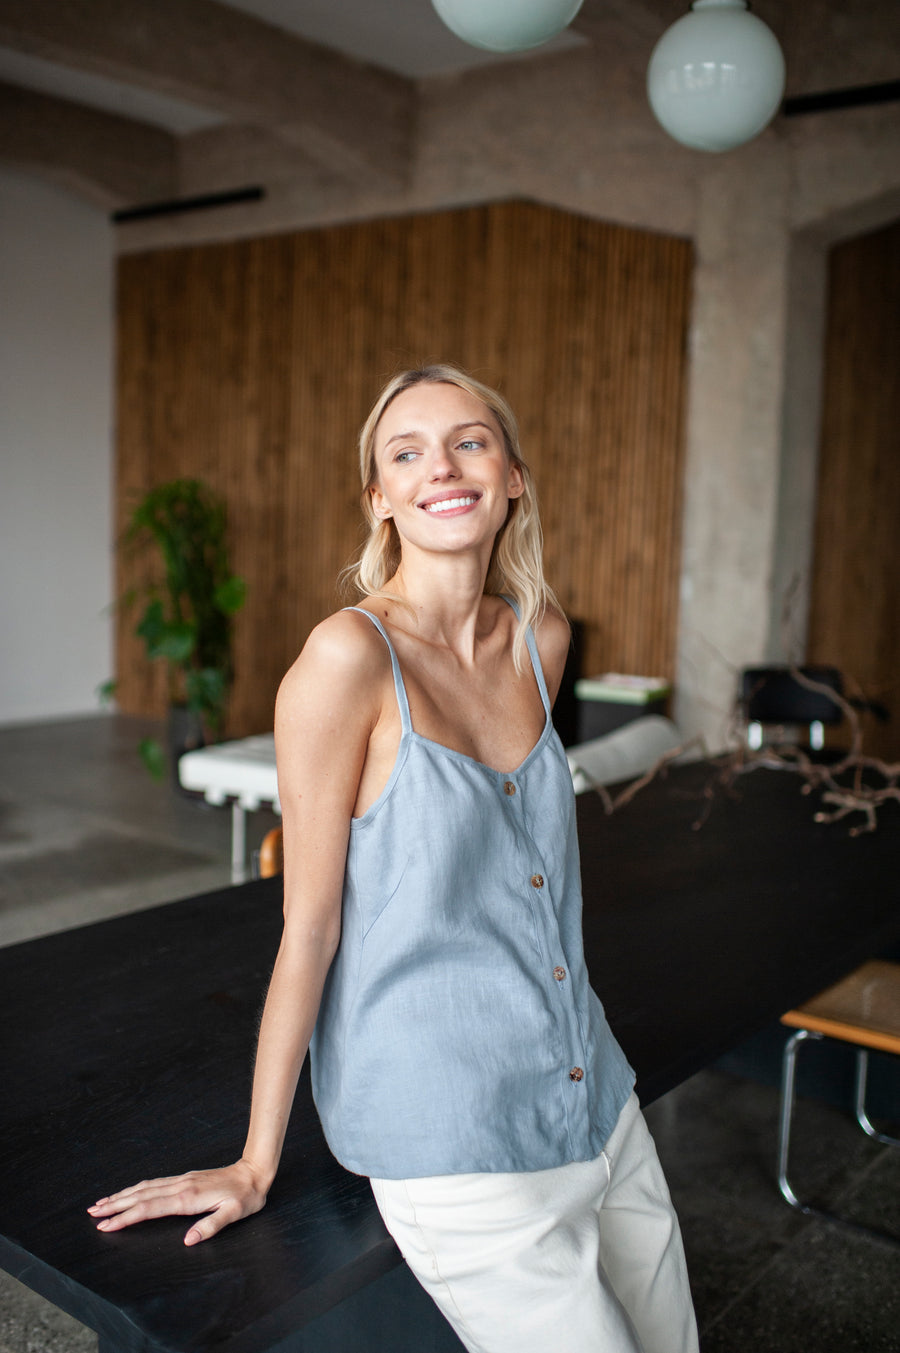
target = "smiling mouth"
x: 451, y: 504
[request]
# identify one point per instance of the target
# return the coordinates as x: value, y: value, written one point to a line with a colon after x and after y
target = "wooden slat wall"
x: 252, y: 364
x: 855, y: 612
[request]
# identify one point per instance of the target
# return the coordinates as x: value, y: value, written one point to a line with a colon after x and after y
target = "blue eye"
x: 403, y: 457
x: 469, y: 445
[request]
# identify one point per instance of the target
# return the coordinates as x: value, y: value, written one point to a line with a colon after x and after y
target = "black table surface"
x: 128, y: 1046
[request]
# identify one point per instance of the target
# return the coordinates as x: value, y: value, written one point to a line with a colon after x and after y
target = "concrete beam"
x: 828, y: 44
x: 644, y: 20
x: 354, y: 119
x: 110, y: 160
x: 218, y: 158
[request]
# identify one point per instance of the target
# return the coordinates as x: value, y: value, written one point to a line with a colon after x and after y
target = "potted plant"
x: 187, y: 619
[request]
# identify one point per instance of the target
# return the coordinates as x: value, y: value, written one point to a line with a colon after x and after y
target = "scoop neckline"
x: 482, y: 765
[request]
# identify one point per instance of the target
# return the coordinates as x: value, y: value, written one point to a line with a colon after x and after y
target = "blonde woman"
x: 432, y: 953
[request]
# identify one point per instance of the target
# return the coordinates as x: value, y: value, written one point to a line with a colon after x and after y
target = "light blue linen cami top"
x: 457, y: 1030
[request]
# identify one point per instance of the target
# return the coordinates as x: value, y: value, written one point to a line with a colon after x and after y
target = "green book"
x: 622, y: 689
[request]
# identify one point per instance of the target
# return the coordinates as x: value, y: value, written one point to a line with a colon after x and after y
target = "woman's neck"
x: 445, y: 597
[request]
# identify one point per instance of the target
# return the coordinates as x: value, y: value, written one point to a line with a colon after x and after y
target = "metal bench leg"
x: 788, y: 1078
x: 862, y: 1073
x: 238, y: 843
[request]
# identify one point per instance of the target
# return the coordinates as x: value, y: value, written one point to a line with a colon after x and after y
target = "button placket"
x: 559, y: 973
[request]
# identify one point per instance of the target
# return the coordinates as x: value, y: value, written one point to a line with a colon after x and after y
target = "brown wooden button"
x: 509, y: 788
x: 576, y: 1074
x: 559, y: 974
x: 537, y: 880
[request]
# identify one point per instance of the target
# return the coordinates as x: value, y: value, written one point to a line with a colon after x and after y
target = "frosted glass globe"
x: 506, y: 25
x: 716, y: 77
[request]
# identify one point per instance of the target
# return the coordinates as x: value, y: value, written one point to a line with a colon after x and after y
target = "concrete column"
x: 801, y: 428
x: 735, y: 395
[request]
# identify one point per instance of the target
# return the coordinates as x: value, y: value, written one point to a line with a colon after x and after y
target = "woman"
x: 432, y: 949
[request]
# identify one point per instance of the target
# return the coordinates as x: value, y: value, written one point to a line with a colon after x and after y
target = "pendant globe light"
x: 716, y: 77
x: 506, y: 25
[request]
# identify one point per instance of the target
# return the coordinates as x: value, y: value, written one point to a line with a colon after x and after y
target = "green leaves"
x: 106, y: 690
x: 171, y: 639
x: 153, y: 757
x: 230, y: 595
x: 206, y: 689
x: 187, y: 621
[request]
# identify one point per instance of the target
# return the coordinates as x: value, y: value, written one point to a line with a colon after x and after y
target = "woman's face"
x: 443, y: 473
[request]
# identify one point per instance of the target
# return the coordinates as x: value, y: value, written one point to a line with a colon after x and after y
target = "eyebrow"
x: 457, y: 428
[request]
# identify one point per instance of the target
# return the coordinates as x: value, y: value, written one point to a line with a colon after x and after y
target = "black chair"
x: 770, y: 696
x: 565, y: 710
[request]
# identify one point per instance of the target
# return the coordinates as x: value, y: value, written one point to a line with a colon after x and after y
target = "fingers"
x: 144, y: 1201
x: 113, y: 1217
x: 122, y: 1199
x: 224, y: 1195
x: 211, y: 1225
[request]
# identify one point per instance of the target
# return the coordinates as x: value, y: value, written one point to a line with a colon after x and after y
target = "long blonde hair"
x: 516, y: 568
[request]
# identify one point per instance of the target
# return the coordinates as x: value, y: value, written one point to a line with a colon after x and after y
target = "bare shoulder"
x: 553, y: 638
x: 329, y: 703
x: 342, y: 661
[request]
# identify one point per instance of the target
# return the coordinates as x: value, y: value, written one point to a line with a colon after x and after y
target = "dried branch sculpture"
x: 874, y: 782
x: 864, y: 794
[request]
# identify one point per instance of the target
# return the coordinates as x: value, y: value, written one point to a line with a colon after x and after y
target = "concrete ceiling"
x: 405, y: 37
x: 102, y: 92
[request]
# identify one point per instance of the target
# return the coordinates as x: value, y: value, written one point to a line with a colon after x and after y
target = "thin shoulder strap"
x: 399, y: 688
x: 534, y: 655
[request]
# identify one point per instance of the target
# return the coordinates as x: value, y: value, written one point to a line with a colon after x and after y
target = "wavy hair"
x: 516, y: 568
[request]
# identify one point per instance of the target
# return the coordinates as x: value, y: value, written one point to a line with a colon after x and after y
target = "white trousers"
x: 587, y: 1257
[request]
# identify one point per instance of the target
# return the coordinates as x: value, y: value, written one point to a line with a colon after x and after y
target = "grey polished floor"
x: 84, y: 834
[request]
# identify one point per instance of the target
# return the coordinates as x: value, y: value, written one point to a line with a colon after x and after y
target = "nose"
x: 442, y: 464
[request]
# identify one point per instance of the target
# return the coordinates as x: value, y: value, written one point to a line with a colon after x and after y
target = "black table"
x: 128, y: 1045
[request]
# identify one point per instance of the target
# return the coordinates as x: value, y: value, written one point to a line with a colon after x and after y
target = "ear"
x: 515, y: 480
x: 380, y: 505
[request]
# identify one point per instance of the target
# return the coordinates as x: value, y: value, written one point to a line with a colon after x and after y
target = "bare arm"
x: 327, y: 706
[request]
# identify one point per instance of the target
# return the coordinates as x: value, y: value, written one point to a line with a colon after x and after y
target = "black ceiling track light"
x: 182, y: 204
x: 858, y: 96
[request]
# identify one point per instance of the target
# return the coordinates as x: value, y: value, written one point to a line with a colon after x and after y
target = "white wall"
x: 56, y: 336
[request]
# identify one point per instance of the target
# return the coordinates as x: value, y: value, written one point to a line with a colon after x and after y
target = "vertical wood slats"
x: 253, y: 364
x: 855, y: 608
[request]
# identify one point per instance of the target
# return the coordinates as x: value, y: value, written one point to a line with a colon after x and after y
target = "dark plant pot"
x: 185, y: 731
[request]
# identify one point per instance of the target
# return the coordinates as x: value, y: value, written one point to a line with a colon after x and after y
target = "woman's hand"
x: 225, y: 1195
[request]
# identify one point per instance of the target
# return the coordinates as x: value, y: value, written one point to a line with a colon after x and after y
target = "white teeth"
x: 446, y: 504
